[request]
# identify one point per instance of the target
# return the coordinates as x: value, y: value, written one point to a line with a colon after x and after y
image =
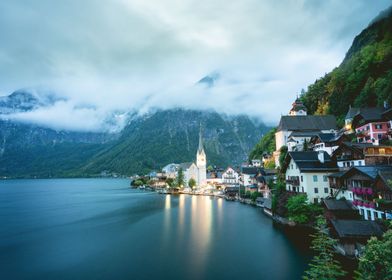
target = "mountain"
x: 170, y: 136
x: 147, y: 142
x: 364, y: 78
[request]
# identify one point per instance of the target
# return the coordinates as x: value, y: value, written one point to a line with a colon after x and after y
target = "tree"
x: 254, y: 196
x: 137, y: 183
x: 297, y: 207
x: 300, y: 211
x: 323, y: 264
x: 170, y: 182
x: 192, y: 183
x: 210, y: 168
x: 375, y: 263
x: 283, y: 153
x: 180, y: 178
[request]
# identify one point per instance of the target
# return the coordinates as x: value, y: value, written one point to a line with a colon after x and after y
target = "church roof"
x: 307, y: 123
x: 200, y: 148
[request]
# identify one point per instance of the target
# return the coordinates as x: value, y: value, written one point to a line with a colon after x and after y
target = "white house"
x: 230, y: 178
x: 301, y: 127
x: 307, y: 172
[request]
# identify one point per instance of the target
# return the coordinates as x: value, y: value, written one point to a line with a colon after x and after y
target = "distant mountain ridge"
x: 147, y: 142
x: 364, y: 78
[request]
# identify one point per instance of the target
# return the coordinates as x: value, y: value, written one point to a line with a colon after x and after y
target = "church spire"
x: 200, y: 149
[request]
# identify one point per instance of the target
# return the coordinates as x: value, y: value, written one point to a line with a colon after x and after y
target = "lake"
x: 101, y: 229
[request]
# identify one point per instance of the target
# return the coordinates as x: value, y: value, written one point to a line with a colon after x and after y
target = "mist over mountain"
x: 144, y: 142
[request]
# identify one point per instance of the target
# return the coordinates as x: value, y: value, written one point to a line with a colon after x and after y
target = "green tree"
x: 137, y: 183
x: 283, y: 153
x: 376, y: 261
x: 170, y: 182
x: 210, y: 168
x: 254, y: 196
x: 192, y: 183
x: 298, y: 210
x: 323, y: 265
x: 180, y: 178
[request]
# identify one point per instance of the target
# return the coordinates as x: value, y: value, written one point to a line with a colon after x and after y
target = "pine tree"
x: 376, y: 262
x: 323, y: 266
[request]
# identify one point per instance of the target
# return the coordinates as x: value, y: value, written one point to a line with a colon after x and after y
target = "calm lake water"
x: 101, y: 229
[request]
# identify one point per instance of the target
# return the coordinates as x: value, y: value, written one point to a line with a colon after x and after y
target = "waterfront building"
x: 307, y: 173
x: 230, y: 177
x: 171, y: 170
x: 196, y: 170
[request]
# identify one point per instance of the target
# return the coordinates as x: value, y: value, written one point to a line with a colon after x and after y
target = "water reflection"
x: 201, y: 223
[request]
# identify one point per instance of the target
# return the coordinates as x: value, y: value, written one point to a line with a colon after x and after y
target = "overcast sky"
x: 119, y: 55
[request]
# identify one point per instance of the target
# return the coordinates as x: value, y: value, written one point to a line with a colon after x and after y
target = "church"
x: 197, y: 170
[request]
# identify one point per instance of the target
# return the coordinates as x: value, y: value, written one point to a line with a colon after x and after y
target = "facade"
x: 230, y: 178
x: 328, y: 142
x: 364, y: 186
x: 361, y: 154
x: 171, y: 170
x: 307, y: 173
x: 371, y: 124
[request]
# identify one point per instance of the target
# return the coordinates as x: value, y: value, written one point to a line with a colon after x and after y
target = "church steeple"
x: 201, y: 148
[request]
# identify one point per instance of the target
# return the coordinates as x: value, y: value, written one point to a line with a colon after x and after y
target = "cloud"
x: 111, y: 57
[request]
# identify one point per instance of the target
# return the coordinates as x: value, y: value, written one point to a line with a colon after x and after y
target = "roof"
x: 371, y: 171
x: 185, y: 165
x: 251, y: 170
x: 304, y: 133
x: 352, y: 112
x: 306, y: 123
x: 369, y: 114
x: 356, y: 228
x: 309, y: 161
x: 333, y: 204
x: 386, y: 175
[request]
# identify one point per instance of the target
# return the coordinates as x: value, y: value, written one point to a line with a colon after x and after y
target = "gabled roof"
x: 250, y: 170
x: 307, y: 123
x: 309, y: 162
x: 356, y: 228
x: 185, y: 165
x: 304, y: 133
x: 355, y: 147
x: 333, y: 204
x: 369, y: 114
x: 371, y: 171
x: 386, y: 177
x: 352, y: 112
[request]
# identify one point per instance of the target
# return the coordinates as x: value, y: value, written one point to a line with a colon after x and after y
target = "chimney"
x: 320, y: 156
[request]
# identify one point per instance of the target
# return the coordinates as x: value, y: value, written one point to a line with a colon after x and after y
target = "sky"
x: 105, y: 58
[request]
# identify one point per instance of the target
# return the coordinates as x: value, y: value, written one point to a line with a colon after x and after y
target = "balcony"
x: 293, y: 180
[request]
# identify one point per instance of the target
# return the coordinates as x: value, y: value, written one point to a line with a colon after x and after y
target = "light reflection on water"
x: 90, y: 229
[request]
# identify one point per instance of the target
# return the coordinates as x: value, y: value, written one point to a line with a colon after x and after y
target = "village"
x: 345, y: 173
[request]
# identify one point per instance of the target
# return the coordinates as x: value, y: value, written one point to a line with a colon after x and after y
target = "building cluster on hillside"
x: 348, y: 170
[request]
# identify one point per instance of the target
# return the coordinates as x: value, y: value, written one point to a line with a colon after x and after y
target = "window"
x: 325, y: 190
x: 379, y: 136
x: 302, y: 189
x: 325, y: 178
x: 302, y: 178
x: 378, y: 126
x: 315, y: 190
x: 315, y: 178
